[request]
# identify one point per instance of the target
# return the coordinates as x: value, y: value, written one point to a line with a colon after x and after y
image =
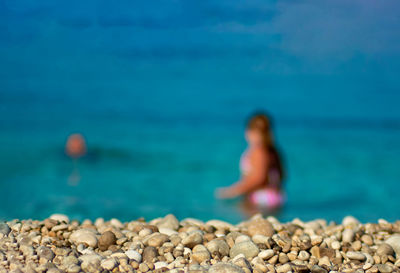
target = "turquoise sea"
x: 161, y: 90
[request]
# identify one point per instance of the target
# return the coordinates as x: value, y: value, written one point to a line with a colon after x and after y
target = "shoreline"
x: 258, y: 245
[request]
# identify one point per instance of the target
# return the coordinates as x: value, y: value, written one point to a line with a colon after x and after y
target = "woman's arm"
x: 259, y: 162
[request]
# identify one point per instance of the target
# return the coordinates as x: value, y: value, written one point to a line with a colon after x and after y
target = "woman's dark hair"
x: 261, y: 123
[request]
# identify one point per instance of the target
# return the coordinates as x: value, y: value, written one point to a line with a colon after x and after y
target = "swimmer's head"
x: 75, y: 146
x: 258, y: 130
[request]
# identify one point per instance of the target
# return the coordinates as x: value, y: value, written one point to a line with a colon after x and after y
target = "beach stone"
x: 218, y: 246
x: 45, y: 253
x: 336, y: 245
x: 169, y: 222
x: 348, y: 236
x: 50, y: 223
x: 218, y: 224
x: 385, y: 249
x: 107, y: 239
x: 109, y: 264
x: 260, y: 227
x: 157, y: 239
x: 167, y: 231
x: 4, y: 229
x: 90, y: 262
x: 367, y: 239
x: 266, y: 254
x: 116, y: 223
x: 149, y: 253
x: 134, y: 255
x: 350, y: 221
x: 394, y: 242
x: 384, y: 268
x: 69, y: 260
x: 353, y: 255
x: 305, y: 242
x: 318, y: 269
x: 283, y: 268
x: 225, y: 268
x: 60, y: 218
x: 160, y: 265
x: 84, y: 236
x: 304, y: 255
x: 247, y: 248
x: 194, y: 238
x: 200, y: 254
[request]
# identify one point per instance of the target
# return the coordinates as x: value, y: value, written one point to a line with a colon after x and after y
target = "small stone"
x: 134, y: 255
x: 143, y: 267
x: 160, y: 265
x: 394, y: 242
x: 193, y: 239
x: 107, y: 239
x: 353, y: 255
x: 225, y: 268
x: 50, y: 223
x: 109, y: 264
x: 350, y: 221
x: 60, y: 218
x: 157, y: 239
x: 247, y: 248
x: 348, y: 236
x: 149, y: 253
x: 200, y: 254
x: 335, y: 245
x: 4, y: 229
x: 283, y: 268
x: 384, y: 268
x: 84, y: 236
x: 260, y: 227
x: 266, y: 254
x: 167, y: 231
x: 218, y: 246
x: 367, y: 239
x: 318, y: 269
x: 385, y: 249
x: 169, y: 222
x: 304, y: 255
x: 45, y: 253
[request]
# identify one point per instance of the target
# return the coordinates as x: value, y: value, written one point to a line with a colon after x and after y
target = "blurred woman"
x: 260, y: 166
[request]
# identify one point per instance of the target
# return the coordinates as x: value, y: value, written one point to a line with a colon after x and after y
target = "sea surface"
x: 161, y: 91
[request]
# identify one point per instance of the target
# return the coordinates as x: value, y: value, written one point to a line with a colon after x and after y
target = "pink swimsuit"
x: 269, y: 196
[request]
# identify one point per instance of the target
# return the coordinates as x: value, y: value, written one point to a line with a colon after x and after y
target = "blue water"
x: 161, y: 89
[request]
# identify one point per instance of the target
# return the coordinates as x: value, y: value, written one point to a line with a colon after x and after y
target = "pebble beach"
x: 58, y: 244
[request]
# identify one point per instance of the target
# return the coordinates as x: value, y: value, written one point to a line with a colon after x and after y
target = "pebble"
x: 353, y: 255
x: 225, y: 268
x: 266, y: 254
x: 84, y: 236
x: 247, y: 248
x: 260, y: 227
x: 218, y: 246
x: 394, y: 242
x: 109, y: 264
x: 385, y: 249
x: 134, y: 255
x: 193, y: 239
x: 60, y: 218
x: 4, y: 229
x: 350, y: 221
x: 348, y: 236
x: 200, y: 254
x: 106, y: 240
x: 169, y: 222
x: 157, y: 239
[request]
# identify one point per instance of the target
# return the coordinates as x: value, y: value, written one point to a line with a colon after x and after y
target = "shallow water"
x: 161, y: 92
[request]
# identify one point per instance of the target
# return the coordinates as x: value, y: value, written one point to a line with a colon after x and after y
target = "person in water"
x: 261, y: 168
x: 75, y: 148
